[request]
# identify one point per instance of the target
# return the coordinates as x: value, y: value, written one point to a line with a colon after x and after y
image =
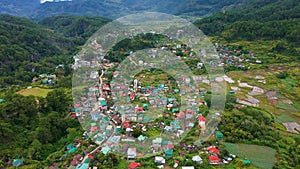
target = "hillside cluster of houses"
x: 236, y: 58
x: 113, y: 126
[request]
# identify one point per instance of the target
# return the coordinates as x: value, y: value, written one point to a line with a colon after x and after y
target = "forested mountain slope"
x: 28, y: 48
x: 257, y: 19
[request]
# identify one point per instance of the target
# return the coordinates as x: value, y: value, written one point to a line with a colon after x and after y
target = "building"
x: 131, y: 153
x: 214, y: 160
x: 159, y: 160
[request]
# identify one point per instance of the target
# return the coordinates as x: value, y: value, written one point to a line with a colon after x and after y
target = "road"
x: 96, y: 108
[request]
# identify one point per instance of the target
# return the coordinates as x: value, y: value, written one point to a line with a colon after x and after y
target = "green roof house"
x: 141, y: 138
x: 219, y: 135
x: 169, y: 153
x: 105, y: 150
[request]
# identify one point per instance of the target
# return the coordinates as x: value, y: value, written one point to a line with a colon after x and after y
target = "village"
x: 155, y: 124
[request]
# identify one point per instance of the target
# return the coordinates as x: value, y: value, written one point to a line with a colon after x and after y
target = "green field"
x: 284, y: 118
x: 260, y: 156
x: 39, y: 92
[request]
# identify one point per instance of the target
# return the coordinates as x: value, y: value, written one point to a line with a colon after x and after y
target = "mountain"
x: 28, y: 48
x: 77, y: 27
x: 113, y: 8
x: 256, y: 19
x: 18, y: 7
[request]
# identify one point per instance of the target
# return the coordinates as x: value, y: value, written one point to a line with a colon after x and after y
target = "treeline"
x: 32, y: 128
x: 256, y: 20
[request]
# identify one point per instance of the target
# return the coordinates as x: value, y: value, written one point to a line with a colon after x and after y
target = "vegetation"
x: 252, y: 23
x: 35, y: 123
x: 29, y: 49
x: 115, y: 9
x: 34, y: 127
x: 261, y: 156
x: 37, y: 92
x: 78, y: 27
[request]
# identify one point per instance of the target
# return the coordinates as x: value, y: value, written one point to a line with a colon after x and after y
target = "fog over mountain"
x: 38, y: 9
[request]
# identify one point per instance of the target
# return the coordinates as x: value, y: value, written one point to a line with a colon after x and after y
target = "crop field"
x: 38, y: 92
x: 285, y: 118
x: 260, y: 156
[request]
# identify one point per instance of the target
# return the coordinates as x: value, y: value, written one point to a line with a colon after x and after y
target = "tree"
x: 58, y: 100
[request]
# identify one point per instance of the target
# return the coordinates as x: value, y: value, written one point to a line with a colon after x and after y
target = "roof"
x: 219, y: 134
x: 72, y: 150
x: 105, y: 150
x: 188, y: 167
x: 213, y: 150
x: 214, y: 158
x: 197, y: 158
x: 131, y: 151
x: 134, y: 165
x: 17, y: 162
x: 141, y: 138
x: 246, y: 161
x: 83, y: 166
x: 169, y: 152
x: 201, y: 118
x: 157, y: 140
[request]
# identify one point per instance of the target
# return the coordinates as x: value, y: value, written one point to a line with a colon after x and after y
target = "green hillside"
x: 29, y: 48
x: 79, y: 27
x: 258, y: 19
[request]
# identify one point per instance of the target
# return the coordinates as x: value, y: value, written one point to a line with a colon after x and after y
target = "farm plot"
x: 260, y: 156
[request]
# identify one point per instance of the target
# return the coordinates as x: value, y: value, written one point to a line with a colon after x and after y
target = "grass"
x: 286, y: 107
x: 279, y: 126
x: 37, y: 92
x: 285, y: 118
x: 260, y: 156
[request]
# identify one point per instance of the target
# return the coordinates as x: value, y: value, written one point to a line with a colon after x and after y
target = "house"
x: 168, y: 153
x: 159, y: 160
x: 94, y: 129
x: 131, y: 153
x: 197, y: 159
x: 213, y: 150
x: 219, y: 135
x: 170, y: 145
x: 188, y: 167
x: 139, y: 109
x: 94, y: 75
x: 83, y: 166
x: 214, y: 160
x: 157, y: 142
x: 126, y: 124
x: 132, y: 96
x: 105, y: 150
x: 134, y: 165
x: 201, y: 122
x: 141, y: 138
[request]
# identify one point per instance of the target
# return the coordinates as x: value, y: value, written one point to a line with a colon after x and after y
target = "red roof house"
x: 126, y: 124
x: 201, y: 118
x: 214, y: 159
x: 132, y: 96
x: 213, y: 150
x: 134, y: 165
